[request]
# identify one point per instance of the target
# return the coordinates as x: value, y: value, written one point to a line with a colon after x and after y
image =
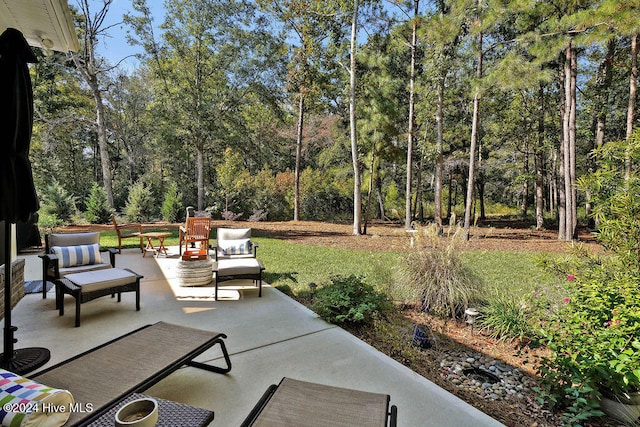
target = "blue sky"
x: 115, y: 47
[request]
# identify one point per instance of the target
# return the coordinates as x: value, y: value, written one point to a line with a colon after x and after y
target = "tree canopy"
x: 464, y: 109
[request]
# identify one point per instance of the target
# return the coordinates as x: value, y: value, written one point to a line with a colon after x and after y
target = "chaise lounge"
x: 103, y: 377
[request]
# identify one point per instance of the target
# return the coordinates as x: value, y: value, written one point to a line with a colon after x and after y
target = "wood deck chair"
x: 126, y: 231
x: 195, y: 230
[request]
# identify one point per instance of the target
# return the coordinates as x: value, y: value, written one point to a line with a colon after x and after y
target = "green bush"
x: 48, y: 222
x: 347, y: 299
x: 98, y: 210
x: 57, y: 201
x: 594, y: 336
x: 139, y: 204
x: 436, y: 274
x: 172, y: 208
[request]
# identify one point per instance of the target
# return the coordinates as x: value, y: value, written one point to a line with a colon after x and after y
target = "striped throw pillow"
x: 70, y: 256
x: 236, y: 247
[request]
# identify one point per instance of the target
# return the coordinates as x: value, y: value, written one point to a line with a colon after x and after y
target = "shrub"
x: 506, y: 319
x: 172, y: 208
x: 98, y: 210
x: 438, y: 277
x: 57, y: 201
x: 139, y: 204
x: 349, y: 300
x: 48, y: 222
x: 595, y: 335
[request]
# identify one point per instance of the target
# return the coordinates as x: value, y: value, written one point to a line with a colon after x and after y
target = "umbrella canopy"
x: 18, y: 198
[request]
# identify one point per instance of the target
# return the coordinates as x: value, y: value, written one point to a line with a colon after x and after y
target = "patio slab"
x: 268, y: 338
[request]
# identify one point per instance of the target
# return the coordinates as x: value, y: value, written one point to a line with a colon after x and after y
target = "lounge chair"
x: 294, y: 403
x: 102, y: 377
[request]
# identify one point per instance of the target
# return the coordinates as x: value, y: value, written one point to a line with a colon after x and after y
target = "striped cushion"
x: 26, y: 402
x: 235, y: 247
x: 71, y: 256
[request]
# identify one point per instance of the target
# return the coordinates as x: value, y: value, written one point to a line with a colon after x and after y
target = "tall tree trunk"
x: 573, y: 144
x: 474, y: 142
x: 539, y: 162
x: 525, y: 184
x: 633, y: 83
x: 367, y: 208
x: 86, y: 63
x: 357, y: 199
x: 200, y: 177
x: 562, y: 217
x: 569, y: 143
x: 437, y: 211
x: 296, y: 189
x: 105, y: 159
x: 378, y: 182
x: 410, y: 137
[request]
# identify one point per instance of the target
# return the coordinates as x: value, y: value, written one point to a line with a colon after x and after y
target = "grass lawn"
x: 296, y: 265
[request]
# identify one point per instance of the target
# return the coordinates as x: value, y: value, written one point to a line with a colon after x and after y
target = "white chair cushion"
x: 236, y: 267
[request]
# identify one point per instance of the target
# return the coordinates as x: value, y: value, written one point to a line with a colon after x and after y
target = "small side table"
x: 170, y: 414
x: 160, y: 235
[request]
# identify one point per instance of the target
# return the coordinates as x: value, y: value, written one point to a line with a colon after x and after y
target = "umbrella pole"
x: 8, y: 328
x: 23, y: 360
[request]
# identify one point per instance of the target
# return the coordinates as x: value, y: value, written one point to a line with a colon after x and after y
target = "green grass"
x: 294, y: 265
x: 109, y: 239
x: 510, y: 274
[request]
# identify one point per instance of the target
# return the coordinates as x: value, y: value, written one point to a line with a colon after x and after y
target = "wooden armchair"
x: 196, y: 229
x: 126, y: 231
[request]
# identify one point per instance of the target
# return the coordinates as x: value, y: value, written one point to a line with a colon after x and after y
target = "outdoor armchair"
x: 126, y: 231
x: 73, y: 253
x: 195, y: 230
x: 234, y: 243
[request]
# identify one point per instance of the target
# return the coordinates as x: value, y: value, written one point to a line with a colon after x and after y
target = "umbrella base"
x: 25, y: 360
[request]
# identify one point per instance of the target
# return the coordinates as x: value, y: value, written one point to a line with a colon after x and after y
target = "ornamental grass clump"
x: 437, y: 277
x: 506, y: 318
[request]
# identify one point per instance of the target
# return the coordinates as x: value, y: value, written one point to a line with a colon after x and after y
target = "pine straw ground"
x: 450, y: 336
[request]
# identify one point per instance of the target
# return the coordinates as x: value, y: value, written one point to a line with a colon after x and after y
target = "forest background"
x: 339, y: 109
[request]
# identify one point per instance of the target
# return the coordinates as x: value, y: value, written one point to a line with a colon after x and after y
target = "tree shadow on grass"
x: 274, y: 277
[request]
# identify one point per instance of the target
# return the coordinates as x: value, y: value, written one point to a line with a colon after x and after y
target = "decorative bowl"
x: 138, y: 413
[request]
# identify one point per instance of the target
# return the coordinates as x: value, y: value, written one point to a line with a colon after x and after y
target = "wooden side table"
x: 160, y: 235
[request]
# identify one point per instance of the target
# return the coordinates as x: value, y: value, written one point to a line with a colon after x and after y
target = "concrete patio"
x: 268, y: 338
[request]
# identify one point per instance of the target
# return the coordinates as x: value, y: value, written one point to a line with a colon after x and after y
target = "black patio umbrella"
x: 18, y: 200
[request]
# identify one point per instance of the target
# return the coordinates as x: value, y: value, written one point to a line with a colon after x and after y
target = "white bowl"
x: 138, y: 413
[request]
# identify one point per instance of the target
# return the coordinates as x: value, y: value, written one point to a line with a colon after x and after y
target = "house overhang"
x: 44, y: 23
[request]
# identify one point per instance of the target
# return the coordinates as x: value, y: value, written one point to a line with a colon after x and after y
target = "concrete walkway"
x: 268, y: 338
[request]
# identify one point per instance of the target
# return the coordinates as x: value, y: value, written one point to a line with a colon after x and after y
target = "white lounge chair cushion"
x: 102, y: 279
